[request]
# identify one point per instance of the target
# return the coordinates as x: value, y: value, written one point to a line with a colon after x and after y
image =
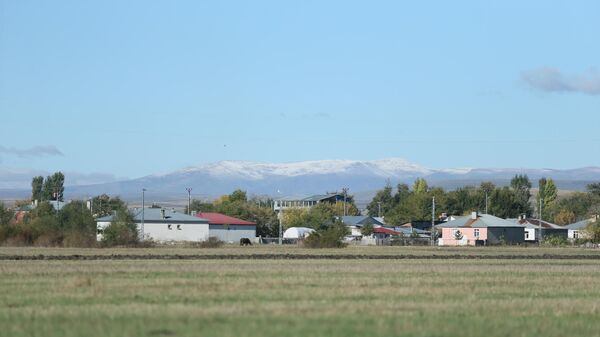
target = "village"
x: 292, y: 221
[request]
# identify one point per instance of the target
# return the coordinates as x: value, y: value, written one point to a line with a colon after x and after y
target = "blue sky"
x: 131, y: 88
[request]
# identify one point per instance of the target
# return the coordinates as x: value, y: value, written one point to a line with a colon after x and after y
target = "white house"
x: 163, y: 225
x: 577, y: 230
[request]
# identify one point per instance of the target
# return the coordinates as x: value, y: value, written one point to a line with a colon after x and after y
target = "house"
x: 164, y: 225
x: 420, y: 225
x: 480, y: 229
x: 532, y: 229
x: 227, y: 228
x: 356, y: 223
x: 384, y: 233
x: 413, y: 232
x: 577, y: 230
x: 308, y: 202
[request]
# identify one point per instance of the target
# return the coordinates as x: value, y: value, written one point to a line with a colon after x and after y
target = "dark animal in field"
x: 245, y: 242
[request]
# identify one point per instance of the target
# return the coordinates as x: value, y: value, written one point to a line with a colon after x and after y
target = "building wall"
x: 177, y: 232
x: 233, y: 233
x: 469, y: 237
x: 161, y: 232
x: 511, y: 235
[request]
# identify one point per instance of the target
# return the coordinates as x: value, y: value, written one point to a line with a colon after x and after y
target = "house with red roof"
x: 228, y: 228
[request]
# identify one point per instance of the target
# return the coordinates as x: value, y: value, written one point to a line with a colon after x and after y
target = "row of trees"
x: 51, y: 188
x: 415, y: 204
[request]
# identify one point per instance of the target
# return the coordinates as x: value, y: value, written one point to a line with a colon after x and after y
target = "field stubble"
x: 300, y: 298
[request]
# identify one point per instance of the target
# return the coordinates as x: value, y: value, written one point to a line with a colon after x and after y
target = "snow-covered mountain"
x: 313, y: 177
x: 319, y: 176
x: 256, y: 170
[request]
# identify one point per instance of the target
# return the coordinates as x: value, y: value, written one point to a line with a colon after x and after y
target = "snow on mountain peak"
x: 392, y: 167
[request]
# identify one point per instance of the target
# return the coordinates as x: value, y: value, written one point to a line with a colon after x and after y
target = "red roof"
x: 385, y: 231
x: 222, y: 219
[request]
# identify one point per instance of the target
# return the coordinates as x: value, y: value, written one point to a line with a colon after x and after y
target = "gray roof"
x: 535, y: 223
x: 154, y: 215
x: 580, y: 225
x: 317, y: 197
x: 360, y: 220
x: 482, y: 221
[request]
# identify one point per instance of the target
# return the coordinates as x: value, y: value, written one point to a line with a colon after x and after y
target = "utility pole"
x: 540, y: 220
x: 433, y: 221
x: 345, y: 191
x: 189, y: 190
x: 280, y: 224
x: 143, y: 200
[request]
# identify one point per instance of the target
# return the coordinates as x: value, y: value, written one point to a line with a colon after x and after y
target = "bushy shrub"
x: 330, y: 237
x: 555, y: 240
x: 122, y: 231
x: 120, y: 234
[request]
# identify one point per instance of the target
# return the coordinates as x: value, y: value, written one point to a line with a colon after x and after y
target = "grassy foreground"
x: 296, y: 250
x: 300, y: 298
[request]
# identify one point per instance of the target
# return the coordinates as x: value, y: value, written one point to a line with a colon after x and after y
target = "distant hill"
x: 312, y: 177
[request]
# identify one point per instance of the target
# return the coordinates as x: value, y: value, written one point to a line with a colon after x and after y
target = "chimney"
x: 162, y: 213
x: 473, y: 215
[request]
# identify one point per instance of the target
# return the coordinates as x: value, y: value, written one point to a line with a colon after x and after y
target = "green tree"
x: 383, y: 201
x: 103, y: 205
x: 420, y: 186
x: 37, y: 184
x: 565, y: 217
x: 77, y: 225
x: 593, y: 231
x: 548, y: 193
x: 331, y: 236
x: 122, y: 230
x: 582, y: 204
x: 238, y: 195
x: 6, y: 215
x: 199, y: 206
x: 594, y: 189
x: 53, y: 188
x: 504, y: 203
x: 366, y: 230
x: 41, y: 226
x: 521, y: 187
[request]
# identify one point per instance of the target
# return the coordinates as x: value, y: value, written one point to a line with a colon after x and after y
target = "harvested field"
x: 324, y: 297
x: 289, y: 251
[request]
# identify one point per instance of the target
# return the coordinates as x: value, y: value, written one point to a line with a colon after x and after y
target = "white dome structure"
x: 297, y: 232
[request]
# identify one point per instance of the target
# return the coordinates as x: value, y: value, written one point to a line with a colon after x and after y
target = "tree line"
x: 405, y: 204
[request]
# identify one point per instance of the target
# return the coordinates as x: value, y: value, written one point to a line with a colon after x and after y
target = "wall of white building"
x: 168, y: 232
x: 233, y: 233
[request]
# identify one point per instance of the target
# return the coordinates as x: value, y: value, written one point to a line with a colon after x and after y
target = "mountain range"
x: 312, y: 177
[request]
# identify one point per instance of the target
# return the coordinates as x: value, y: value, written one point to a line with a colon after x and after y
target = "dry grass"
x: 300, y: 298
x: 291, y: 249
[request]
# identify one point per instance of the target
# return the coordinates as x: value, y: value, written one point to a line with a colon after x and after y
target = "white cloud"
x: 553, y: 80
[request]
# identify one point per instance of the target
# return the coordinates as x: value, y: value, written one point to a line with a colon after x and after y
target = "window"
x: 526, y: 235
x: 476, y: 232
x: 169, y: 227
x: 178, y: 227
